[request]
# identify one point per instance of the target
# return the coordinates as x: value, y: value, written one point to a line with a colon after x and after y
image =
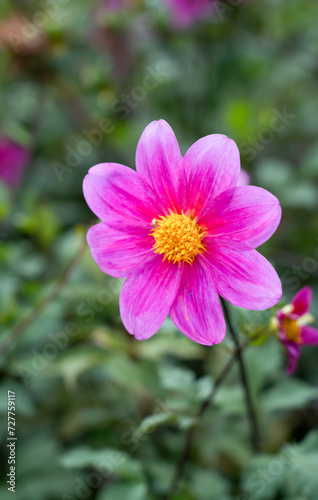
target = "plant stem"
x: 205, y: 404
x: 36, y: 311
x: 248, y: 398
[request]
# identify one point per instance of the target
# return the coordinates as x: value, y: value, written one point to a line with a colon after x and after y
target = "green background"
x: 85, y: 388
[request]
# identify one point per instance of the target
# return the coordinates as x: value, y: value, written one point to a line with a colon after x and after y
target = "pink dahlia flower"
x: 292, y: 323
x: 186, y: 12
x: 182, y: 232
x: 13, y: 160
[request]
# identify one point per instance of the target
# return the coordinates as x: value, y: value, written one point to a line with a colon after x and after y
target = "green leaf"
x: 108, y: 460
x: 302, y: 478
x: 153, y: 421
x: 262, y: 477
x: 177, y: 379
x: 23, y: 401
x: 293, y: 471
x: 289, y: 394
x: 204, y: 480
x: 123, y: 492
x: 263, y: 362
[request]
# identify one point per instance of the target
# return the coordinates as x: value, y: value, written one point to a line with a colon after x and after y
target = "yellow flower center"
x: 292, y: 330
x: 179, y: 237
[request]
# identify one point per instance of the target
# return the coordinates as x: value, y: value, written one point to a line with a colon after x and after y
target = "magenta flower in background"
x: 186, y: 12
x: 292, y: 323
x: 114, y: 4
x: 182, y: 233
x: 13, y: 160
x: 117, y: 5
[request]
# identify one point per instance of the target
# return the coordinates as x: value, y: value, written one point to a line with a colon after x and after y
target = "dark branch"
x: 205, y: 404
x: 248, y: 398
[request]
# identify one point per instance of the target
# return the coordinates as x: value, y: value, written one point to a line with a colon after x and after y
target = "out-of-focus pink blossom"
x: 13, y: 160
x: 292, y: 325
x: 186, y: 12
x: 117, y: 5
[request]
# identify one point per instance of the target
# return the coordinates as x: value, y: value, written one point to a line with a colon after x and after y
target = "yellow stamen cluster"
x: 179, y: 237
x: 292, y: 330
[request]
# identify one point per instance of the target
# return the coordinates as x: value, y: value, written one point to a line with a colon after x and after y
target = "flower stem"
x: 248, y: 397
x: 205, y: 404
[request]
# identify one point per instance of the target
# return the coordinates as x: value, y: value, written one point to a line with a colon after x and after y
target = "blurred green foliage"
x: 99, y: 414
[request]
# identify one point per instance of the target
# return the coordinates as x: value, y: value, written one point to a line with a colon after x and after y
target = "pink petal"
x: 159, y: 162
x: 118, y: 196
x: 186, y: 12
x: 248, y: 214
x: 212, y: 165
x: 117, y: 253
x: 147, y: 296
x: 246, y: 279
x: 302, y: 301
x: 13, y: 160
x: 197, y: 311
x: 293, y: 353
x: 309, y: 335
x: 244, y: 178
